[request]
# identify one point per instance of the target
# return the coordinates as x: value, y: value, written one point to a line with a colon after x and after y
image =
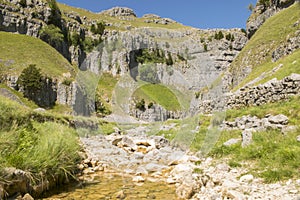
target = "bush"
x: 75, y: 39
x: 169, y: 60
x: 150, y: 105
x: 140, y: 105
x: 230, y: 37
x: 55, y: 17
x: 30, y: 81
x: 52, y: 35
x: 219, y: 35
x: 98, y: 28
x: 205, y: 47
x: 23, y: 3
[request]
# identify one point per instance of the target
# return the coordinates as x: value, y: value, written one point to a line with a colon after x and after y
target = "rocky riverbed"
x: 143, y: 158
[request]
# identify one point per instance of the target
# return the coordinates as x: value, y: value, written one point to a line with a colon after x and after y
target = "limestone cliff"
x: 263, y: 10
x: 198, y: 56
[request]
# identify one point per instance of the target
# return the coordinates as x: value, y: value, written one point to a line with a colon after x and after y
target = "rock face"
x: 263, y: 11
x: 198, y: 58
x: 155, y: 113
x: 119, y: 11
x: 272, y: 91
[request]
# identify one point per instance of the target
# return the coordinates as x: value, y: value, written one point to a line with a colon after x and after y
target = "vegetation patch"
x: 258, y: 51
x: 290, y: 108
x: 42, y: 149
x: 274, y: 156
x: 159, y: 94
x: 104, y: 92
x: 19, y: 51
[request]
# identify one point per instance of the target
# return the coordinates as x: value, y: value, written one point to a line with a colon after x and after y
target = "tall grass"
x: 272, y: 155
x: 43, y: 149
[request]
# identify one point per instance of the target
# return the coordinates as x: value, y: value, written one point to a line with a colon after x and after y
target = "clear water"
x: 103, y: 186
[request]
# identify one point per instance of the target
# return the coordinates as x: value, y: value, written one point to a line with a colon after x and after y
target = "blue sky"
x: 197, y: 13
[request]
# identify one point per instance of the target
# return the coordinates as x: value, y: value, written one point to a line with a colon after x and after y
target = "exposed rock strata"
x: 272, y: 91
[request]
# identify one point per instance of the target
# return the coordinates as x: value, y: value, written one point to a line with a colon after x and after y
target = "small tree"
x: 140, y: 105
x: 30, y: 81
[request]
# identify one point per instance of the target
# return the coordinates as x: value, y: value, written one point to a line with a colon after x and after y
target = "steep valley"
x: 174, y: 110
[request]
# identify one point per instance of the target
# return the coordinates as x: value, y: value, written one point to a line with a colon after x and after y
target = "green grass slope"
x: 159, y: 94
x: 257, y: 54
x: 19, y: 51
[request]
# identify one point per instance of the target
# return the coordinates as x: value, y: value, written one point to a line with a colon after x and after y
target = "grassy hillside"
x: 257, y: 54
x: 159, y: 94
x: 19, y: 51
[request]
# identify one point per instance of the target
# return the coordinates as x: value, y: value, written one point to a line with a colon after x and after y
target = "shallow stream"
x: 103, y: 186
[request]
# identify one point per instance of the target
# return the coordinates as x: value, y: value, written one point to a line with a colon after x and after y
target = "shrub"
x: 52, y: 35
x: 219, y: 35
x: 169, y: 60
x: 98, y: 28
x: 230, y: 37
x: 30, y: 81
x: 55, y: 17
x: 67, y: 81
x: 140, y: 105
x: 150, y: 105
x: 244, y: 31
x: 23, y: 3
x: 266, y: 3
x: 250, y: 7
x: 75, y: 39
x: 205, y: 47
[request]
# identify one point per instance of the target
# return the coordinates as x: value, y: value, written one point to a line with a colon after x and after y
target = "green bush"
x: 140, y: 105
x: 205, y: 47
x: 55, y: 17
x: 219, y: 35
x: 169, y: 60
x: 30, y: 81
x: 52, y: 35
x: 150, y: 56
x: 98, y: 28
x: 229, y: 37
x: 150, y: 105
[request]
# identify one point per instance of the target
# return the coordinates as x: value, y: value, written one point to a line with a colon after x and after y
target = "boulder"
x: 278, y: 119
x: 27, y: 197
x: 138, y: 179
x: 119, y: 11
x: 232, y: 141
x: 247, y: 137
x: 298, y: 138
x: 247, y: 178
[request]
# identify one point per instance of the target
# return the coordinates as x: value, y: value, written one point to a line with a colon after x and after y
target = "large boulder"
x: 119, y: 11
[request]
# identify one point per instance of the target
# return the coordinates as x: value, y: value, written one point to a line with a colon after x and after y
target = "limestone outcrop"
x: 119, y: 11
x: 264, y: 10
x: 272, y: 91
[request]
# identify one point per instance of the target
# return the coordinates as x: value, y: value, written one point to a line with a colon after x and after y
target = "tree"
x: 30, y: 81
x: 140, y: 105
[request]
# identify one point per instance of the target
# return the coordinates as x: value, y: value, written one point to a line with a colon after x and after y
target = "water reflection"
x: 103, y: 186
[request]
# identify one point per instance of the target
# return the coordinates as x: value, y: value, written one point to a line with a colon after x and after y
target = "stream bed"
x: 103, y: 186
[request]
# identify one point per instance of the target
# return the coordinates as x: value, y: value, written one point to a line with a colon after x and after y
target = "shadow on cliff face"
x: 133, y: 64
